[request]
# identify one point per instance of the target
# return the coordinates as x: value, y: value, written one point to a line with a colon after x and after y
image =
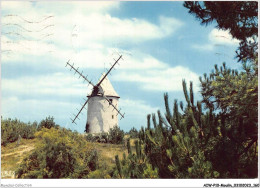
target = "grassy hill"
x: 13, y: 154
x: 46, y: 150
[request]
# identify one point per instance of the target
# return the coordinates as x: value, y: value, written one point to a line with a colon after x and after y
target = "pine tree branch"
x: 248, y: 147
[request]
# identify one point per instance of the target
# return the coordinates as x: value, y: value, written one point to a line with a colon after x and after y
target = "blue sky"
x: 160, y: 42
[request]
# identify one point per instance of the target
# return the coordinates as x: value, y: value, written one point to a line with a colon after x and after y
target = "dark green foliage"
x: 104, y: 138
x: 217, y: 142
x: 118, y: 166
x: 235, y: 96
x: 231, y: 97
x: 48, y: 123
x: 134, y: 165
x: 175, y: 146
x: 102, y: 172
x: 133, y: 133
x: 59, y: 153
x: 129, y: 150
x: 240, y: 18
x: 90, y: 138
x: 116, y: 135
x: 100, y: 138
x: 11, y: 129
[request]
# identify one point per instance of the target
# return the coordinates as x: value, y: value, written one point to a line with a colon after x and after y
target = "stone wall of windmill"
x: 101, y: 116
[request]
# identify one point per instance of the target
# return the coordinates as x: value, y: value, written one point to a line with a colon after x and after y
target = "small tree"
x: 48, y: 123
x: 133, y: 133
x: 12, y: 129
x: 135, y: 164
x: 116, y: 135
x: 178, y: 143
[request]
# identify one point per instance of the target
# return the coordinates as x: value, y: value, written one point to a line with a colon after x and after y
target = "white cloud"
x: 15, y: 5
x: 92, y: 20
x: 26, y: 47
x: 136, y: 107
x: 168, y: 79
x: 105, y: 28
x: 54, y: 85
x: 59, y: 7
x: 135, y: 113
x: 203, y: 47
x: 217, y: 36
x: 37, y: 110
x: 97, y: 58
x: 85, y: 33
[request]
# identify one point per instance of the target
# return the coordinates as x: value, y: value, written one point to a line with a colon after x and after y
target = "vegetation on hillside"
x: 133, y: 133
x: 12, y: 129
x: 114, y: 136
x: 196, y: 143
x: 60, y: 153
x: 56, y: 152
x: 134, y: 165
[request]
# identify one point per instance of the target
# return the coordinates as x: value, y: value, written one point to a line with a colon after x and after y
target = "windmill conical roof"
x: 107, y: 87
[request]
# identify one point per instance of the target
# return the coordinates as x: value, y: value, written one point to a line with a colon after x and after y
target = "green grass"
x: 107, y: 152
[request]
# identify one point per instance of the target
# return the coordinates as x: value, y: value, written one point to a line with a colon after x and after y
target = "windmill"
x: 102, y: 102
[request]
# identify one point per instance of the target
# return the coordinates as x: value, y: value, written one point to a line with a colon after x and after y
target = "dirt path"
x: 12, y: 155
x: 20, y: 151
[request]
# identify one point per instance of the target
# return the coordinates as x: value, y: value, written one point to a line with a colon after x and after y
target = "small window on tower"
x: 112, y: 116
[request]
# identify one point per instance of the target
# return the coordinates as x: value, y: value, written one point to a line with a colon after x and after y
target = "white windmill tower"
x: 102, y: 103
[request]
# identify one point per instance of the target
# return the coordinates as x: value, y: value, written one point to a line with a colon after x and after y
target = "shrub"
x: 102, y: 172
x: 116, y: 136
x: 11, y: 129
x: 134, y: 165
x: 48, y: 123
x: 60, y: 153
x: 89, y: 138
x: 133, y: 133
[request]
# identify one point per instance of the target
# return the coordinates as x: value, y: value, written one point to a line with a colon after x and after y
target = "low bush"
x: 48, y: 123
x: 116, y: 135
x: 102, y: 172
x: 90, y: 138
x: 134, y: 165
x: 11, y: 129
x: 133, y: 133
x: 59, y: 153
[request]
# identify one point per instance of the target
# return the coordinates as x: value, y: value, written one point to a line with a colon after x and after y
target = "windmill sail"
x: 109, y: 70
x: 76, y: 117
x: 80, y: 73
x: 118, y: 111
